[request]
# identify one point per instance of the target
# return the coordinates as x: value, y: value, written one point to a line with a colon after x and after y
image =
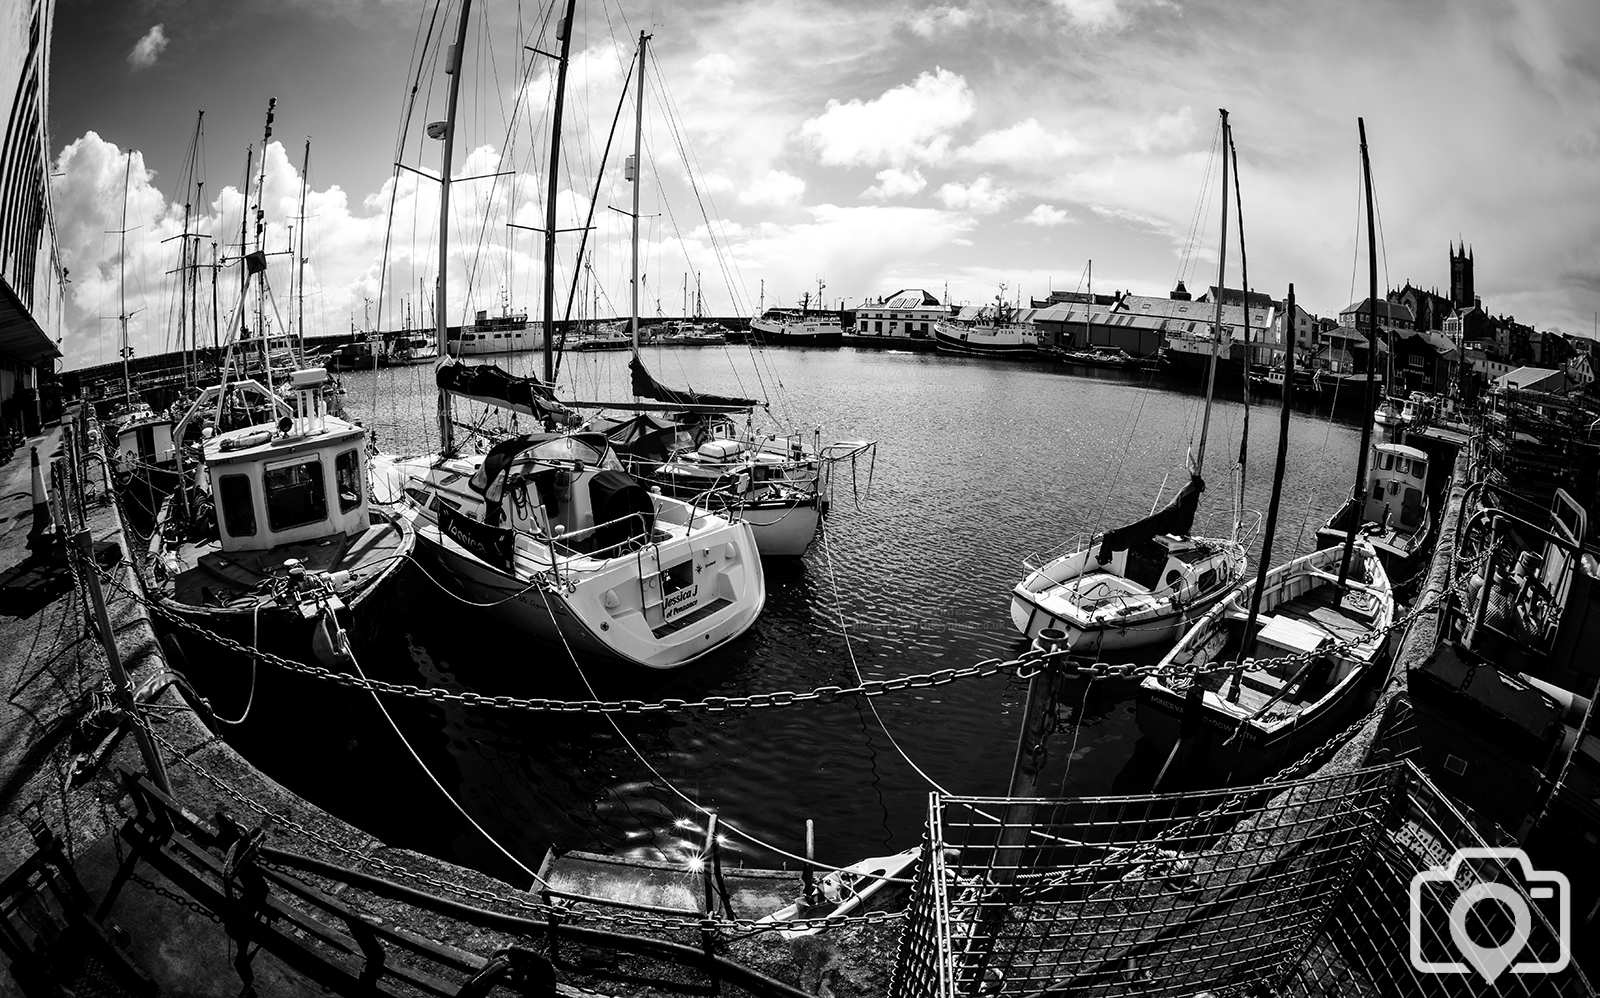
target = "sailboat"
x: 546, y: 529
x: 1273, y: 670
x: 1143, y: 583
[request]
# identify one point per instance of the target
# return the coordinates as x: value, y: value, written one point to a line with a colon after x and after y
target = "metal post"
x: 122, y: 691
x: 807, y: 879
x: 707, y: 870
x: 1488, y: 584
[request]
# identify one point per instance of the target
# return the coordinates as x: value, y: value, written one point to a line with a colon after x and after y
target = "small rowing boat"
x: 842, y: 892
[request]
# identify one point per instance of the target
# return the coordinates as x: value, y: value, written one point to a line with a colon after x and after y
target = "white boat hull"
x: 784, y: 529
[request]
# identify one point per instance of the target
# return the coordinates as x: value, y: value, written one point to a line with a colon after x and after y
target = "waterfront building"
x: 1083, y: 325
x: 907, y: 313
x: 31, y: 277
x: 1534, y: 379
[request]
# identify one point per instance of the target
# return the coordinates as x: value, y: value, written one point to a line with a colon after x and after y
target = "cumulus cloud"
x: 1026, y: 142
x: 981, y: 197
x: 776, y: 188
x: 911, y: 122
x: 893, y: 183
x: 148, y: 49
x: 930, y: 22
x: 1046, y: 216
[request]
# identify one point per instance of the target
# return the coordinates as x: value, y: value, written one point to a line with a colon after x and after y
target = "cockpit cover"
x: 491, y: 383
x: 615, y: 496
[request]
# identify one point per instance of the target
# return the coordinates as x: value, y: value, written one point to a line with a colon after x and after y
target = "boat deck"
x: 1321, y: 609
x: 243, y: 579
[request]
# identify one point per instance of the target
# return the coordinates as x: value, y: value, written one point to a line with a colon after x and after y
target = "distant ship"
x: 507, y: 332
x: 798, y: 327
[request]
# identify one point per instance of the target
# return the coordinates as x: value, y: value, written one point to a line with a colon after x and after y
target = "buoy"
x: 42, y: 520
x: 329, y: 642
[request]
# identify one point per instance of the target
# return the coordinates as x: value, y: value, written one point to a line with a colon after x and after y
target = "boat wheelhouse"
x: 277, y: 532
x: 1395, y: 512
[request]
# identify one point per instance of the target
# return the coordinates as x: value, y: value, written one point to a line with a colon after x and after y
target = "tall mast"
x: 452, y: 67
x: 633, y: 173
x: 564, y: 33
x: 183, y: 280
x: 261, y: 246
x: 1360, y: 488
x: 122, y: 283
x: 300, y: 261
x: 1216, y: 327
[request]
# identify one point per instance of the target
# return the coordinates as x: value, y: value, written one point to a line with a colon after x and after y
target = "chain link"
x: 1024, y: 666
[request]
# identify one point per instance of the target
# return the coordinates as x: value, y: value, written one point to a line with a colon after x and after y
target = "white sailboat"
x: 546, y: 529
x: 1143, y: 583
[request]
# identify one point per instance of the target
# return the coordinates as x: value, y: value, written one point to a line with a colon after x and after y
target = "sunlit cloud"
x: 148, y: 49
x: 895, y: 183
x: 1046, y: 216
x: 982, y: 196
x: 911, y: 122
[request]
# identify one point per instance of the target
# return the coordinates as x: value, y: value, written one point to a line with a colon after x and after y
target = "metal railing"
x: 1298, y: 888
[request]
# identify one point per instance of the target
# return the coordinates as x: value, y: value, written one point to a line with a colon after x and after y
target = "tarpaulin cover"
x: 645, y: 386
x: 489, y: 480
x: 646, y: 436
x: 1177, y: 517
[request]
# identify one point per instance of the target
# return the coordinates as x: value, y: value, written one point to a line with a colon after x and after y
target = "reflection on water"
x: 980, y: 464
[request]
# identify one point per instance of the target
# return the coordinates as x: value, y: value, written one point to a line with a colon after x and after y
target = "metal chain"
x: 1025, y: 666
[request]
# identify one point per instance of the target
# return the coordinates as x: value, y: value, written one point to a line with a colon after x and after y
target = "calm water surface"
x: 979, y: 464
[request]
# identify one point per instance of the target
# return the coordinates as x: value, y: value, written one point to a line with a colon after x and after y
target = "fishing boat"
x: 1278, y: 667
x: 1146, y: 582
x: 508, y: 332
x: 1395, y: 513
x: 1101, y: 356
x: 275, y: 544
x: 547, y: 530
x: 996, y: 330
x: 844, y: 891
x: 798, y: 327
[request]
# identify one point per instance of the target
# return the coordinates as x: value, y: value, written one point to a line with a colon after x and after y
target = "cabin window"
x: 1208, y: 578
x: 347, y: 479
x: 1377, y: 491
x: 238, y: 505
x: 1394, y: 488
x: 295, y: 494
x: 1387, y: 462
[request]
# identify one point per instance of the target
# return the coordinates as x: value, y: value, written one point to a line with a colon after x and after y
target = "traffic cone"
x: 42, y: 520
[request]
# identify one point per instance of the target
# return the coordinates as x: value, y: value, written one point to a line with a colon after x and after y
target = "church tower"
x: 1461, y: 293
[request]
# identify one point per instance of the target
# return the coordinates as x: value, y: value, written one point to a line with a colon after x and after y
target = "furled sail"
x: 492, y: 385
x: 1177, y: 517
x: 648, y: 387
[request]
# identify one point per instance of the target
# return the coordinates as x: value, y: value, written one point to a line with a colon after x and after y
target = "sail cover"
x: 645, y: 386
x: 495, y: 386
x: 1177, y: 517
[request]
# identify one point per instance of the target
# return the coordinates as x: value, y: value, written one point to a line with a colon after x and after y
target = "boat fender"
x: 329, y: 642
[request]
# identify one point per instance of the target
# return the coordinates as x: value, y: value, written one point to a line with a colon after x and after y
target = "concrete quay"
x: 233, y: 885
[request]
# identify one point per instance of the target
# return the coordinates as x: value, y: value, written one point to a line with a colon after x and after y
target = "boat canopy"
x: 1177, y: 517
x: 646, y: 436
x: 587, y: 449
x: 495, y: 386
x: 648, y: 387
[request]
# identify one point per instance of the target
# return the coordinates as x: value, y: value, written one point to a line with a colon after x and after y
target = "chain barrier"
x: 1024, y: 667
x: 559, y: 909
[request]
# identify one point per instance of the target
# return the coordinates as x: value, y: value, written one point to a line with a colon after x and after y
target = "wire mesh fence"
x: 1300, y: 889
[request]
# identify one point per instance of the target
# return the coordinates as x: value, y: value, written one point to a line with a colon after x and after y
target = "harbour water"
x: 980, y: 463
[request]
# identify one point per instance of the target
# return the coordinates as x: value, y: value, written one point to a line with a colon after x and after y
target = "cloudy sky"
x: 870, y: 146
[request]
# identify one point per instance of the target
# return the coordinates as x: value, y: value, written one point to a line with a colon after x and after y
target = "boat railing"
x: 1074, y: 542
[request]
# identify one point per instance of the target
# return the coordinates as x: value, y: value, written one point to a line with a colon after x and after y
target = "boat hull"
x: 997, y: 345
x: 783, y: 528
